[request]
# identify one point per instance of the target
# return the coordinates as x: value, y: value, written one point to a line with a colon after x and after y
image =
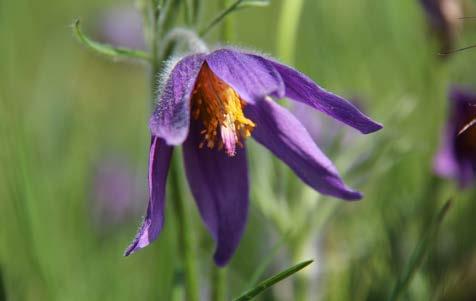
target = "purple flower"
x: 443, y: 19
x: 121, y: 26
x: 211, y: 103
x: 116, y: 191
x: 457, y: 155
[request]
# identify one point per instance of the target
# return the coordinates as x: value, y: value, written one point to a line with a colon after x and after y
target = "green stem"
x: 220, y: 17
x: 218, y: 284
x: 185, y: 233
x: 155, y: 60
x: 302, y: 280
x: 191, y: 12
x: 168, y: 15
x: 302, y: 287
x: 226, y: 31
x: 287, y: 29
x: 419, y: 253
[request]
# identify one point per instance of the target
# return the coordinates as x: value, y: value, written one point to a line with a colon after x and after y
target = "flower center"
x: 220, y: 109
x: 466, y: 139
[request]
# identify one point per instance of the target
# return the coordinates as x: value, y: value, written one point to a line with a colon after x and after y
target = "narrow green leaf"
x: 105, y: 49
x: 419, y: 253
x: 232, y: 8
x: 272, y: 280
x: 254, y: 3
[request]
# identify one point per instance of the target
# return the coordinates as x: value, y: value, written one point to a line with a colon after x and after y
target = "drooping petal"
x: 170, y: 119
x: 301, y: 88
x: 251, y: 77
x: 159, y: 161
x: 279, y: 131
x: 219, y: 184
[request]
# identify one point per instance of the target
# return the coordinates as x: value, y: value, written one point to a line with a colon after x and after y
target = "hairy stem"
x: 185, y: 234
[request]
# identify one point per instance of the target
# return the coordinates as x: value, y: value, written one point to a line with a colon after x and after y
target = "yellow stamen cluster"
x: 220, y: 109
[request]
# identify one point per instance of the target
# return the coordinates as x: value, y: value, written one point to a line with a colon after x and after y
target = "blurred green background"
x: 65, y: 110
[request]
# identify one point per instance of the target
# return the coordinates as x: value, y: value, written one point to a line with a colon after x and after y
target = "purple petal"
x: 279, y: 131
x: 301, y: 88
x: 159, y: 161
x: 219, y: 184
x: 170, y: 119
x: 251, y: 77
x: 444, y: 163
x: 456, y: 157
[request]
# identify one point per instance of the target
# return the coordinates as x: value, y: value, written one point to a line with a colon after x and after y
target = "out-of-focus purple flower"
x: 116, y: 192
x: 457, y: 155
x: 443, y: 19
x: 121, y: 27
x: 210, y: 103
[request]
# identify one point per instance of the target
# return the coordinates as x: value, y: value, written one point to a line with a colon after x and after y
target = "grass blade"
x: 419, y: 253
x: 254, y: 3
x: 272, y: 281
x: 233, y: 7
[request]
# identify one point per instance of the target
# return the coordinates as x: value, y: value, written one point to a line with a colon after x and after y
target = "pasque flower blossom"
x: 457, y: 155
x: 211, y: 103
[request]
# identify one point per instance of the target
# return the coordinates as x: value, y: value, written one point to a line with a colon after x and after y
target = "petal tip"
x: 373, y: 127
x: 353, y: 196
x: 221, y: 260
x: 131, y: 249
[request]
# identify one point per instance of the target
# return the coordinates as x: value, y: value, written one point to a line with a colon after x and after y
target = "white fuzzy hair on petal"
x: 167, y: 67
x: 244, y: 49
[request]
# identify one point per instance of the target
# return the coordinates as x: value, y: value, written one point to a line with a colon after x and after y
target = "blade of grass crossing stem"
x: 258, y: 289
x: 238, y: 4
x: 264, y: 265
x: 419, y: 253
x: 105, y: 49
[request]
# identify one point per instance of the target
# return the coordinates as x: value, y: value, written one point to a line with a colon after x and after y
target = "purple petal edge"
x: 279, y: 131
x: 301, y: 88
x: 159, y: 162
x: 171, y: 117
